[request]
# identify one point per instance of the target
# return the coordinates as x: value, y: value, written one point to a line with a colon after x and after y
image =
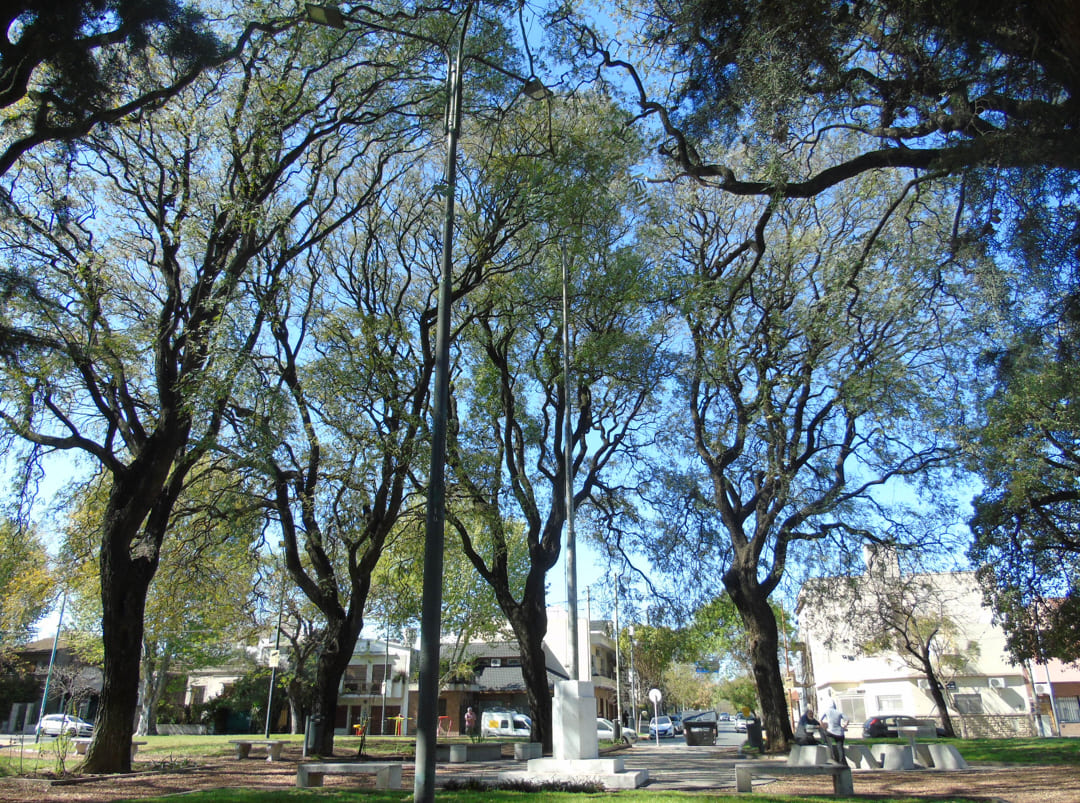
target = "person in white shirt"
x: 834, y: 723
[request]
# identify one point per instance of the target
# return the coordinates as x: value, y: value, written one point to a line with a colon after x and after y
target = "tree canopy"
x: 948, y: 85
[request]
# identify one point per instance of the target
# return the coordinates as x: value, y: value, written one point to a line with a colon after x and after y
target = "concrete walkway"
x: 671, y: 767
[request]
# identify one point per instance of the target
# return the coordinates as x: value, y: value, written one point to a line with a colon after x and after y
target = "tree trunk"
x: 294, y: 690
x: 154, y: 678
x: 123, y: 597
x: 529, y: 623
x: 332, y: 660
x: 938, y: 696
x: 752, y: 603
x: 136, y: 517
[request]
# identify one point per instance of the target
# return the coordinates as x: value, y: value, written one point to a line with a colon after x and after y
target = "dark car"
x: 886, y: 727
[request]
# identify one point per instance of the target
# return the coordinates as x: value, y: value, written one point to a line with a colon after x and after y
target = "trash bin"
x: 312, y: 734
x: 753, y: 734
x: 699, y: 733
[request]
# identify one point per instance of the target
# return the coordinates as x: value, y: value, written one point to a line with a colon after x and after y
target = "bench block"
x: 859, y: 757
x: 746, y: 770
x: 807, y: 755
x: 894, y: 756
x: 387, y: 776
x: 524, y: 751
x: 946, y: 757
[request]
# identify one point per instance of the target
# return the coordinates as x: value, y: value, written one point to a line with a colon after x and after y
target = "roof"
x: 508, y: 678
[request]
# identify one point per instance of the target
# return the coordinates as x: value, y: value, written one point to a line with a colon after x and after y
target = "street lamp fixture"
x: 325, y: 15
x: 536, y: 89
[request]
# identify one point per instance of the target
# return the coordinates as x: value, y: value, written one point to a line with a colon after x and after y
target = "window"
x: 968, y: 703
x: 355, y: 678
x: 890, y: 703
x: 853, y: 708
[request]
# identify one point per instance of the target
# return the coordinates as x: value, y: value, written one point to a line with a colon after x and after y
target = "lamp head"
x: 325, y: 15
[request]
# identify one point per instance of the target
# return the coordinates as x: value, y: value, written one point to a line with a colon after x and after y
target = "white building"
x: 845, y: 659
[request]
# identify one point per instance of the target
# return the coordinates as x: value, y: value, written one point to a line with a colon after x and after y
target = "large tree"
x: 143, y: 253
x: 817, y: 369
x: 1027, y: 538
x: 508, y: 449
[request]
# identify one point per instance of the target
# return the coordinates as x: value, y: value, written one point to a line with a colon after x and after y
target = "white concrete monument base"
x: 576, y: 751
x: 573, y: 719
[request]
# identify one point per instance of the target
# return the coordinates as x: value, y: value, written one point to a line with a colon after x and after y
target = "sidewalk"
x: 671, y: 767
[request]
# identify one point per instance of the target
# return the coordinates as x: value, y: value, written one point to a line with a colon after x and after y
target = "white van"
x: 505, y: 723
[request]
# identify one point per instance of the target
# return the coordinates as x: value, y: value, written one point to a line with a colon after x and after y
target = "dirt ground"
x: 1011, y: 784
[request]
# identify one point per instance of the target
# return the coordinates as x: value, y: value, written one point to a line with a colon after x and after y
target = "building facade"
x: 986, y: 693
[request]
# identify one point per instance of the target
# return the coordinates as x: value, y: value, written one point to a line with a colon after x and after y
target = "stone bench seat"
x: 310, y: 773
x: 273, y: 747
x: 745, y: 771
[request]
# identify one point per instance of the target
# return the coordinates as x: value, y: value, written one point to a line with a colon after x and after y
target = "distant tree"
x: 911, y: 616
x: 27, y: 584
x: 686, y: 688
x: 740, y: 691
x: 507, y: 446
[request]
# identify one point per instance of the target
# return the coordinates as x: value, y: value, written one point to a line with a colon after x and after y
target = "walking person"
x: 834, y: 724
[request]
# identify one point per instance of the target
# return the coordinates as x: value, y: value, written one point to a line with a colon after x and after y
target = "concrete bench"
x: 273, y: 747
x: 946, y: 757
x: 468, y: 751
x: 860, y: 757
x: 309, y: 774
x: 893, y: 756
x: 526, y: 751
x: 745, y: 771
x: 83, y: 743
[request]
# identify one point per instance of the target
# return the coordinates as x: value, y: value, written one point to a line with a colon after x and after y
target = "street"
x: 726, y: 737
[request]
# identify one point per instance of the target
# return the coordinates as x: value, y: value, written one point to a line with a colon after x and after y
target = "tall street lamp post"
x: 431, y: 604
x: 568, y: 468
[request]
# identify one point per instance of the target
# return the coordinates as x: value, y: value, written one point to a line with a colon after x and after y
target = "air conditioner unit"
x: 1042, y: 688
x: 996, y: 683
x: 924, y: 684
x: 496, y: 661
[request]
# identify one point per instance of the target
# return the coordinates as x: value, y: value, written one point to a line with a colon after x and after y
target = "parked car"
x: 677, y: 724
x: 605, y: 732
x: 661, y: 725
x: 55, y: 724
x: 886, y: 727
x: 740, y: 723
x: 505, y: 723
x: 723, y: 716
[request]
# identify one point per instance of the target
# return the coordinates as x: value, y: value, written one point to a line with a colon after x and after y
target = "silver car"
x: 56, y: 724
